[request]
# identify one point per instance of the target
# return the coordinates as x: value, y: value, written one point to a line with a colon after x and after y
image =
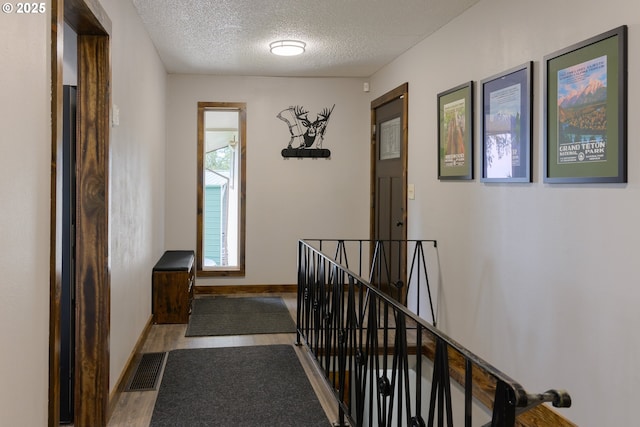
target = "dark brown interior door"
x: 389, y: 181
x: 389, y: 171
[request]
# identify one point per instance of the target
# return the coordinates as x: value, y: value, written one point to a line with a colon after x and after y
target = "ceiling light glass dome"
x: 287, y: 47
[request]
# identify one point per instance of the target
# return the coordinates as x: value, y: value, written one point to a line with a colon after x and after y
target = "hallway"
x: 134, y: 409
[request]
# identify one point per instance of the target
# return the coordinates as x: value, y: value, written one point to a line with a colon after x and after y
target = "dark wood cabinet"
x: 172, y: 287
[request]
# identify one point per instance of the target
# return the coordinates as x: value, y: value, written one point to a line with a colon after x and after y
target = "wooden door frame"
x: 401, y: 91
x: 92, y: 308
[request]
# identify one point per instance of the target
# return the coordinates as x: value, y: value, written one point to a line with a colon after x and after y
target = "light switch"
x: 115, y: 116
x: 411, y: 191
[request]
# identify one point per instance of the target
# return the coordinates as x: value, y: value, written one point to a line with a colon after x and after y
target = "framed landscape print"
x: 586, y: 111
x: 506, y: 126
x: 455, y: 133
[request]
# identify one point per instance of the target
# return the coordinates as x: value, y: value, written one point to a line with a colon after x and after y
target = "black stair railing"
x: 376, y: 354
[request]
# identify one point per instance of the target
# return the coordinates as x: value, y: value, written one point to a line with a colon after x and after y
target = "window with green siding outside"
x: 221, y: 154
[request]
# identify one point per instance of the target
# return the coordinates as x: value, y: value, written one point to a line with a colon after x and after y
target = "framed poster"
x: 455, y: 133
x: 506, y: 125
x: 586, y: 111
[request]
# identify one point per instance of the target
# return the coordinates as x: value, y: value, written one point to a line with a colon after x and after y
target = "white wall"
x: 25, y: 156
x: 538, y: 279
x: 286, y: 199
x: 137, y: 178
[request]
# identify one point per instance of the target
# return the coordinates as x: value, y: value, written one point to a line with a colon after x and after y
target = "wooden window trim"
x: 241, y: 107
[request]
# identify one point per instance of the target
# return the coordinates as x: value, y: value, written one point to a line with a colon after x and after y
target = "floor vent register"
x: 147, y: 373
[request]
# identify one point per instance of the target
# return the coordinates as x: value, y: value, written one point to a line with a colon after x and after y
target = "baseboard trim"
x: 244, y: 289
x: 128, y: 369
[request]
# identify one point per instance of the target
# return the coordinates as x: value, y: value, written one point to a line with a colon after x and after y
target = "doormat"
x: 212, y: 316
x: 236, y: 386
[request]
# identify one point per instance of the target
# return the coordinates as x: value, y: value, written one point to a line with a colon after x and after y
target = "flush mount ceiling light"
x: 287, y: 47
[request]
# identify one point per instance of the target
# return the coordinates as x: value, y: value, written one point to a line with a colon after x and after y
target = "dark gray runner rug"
x: 239, y: 316
x: 236, y: 386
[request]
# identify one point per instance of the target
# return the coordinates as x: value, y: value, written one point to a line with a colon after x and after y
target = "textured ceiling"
x: 345, y: 38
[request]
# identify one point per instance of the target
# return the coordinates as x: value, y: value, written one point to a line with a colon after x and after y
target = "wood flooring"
x: 135, y: 408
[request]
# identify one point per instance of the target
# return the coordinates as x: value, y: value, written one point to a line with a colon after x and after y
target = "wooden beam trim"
x: 87, y: 17
x: 92, y: 225
x: 55, y: 262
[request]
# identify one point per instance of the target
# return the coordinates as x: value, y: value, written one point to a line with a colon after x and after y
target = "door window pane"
x: 390, y: 139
